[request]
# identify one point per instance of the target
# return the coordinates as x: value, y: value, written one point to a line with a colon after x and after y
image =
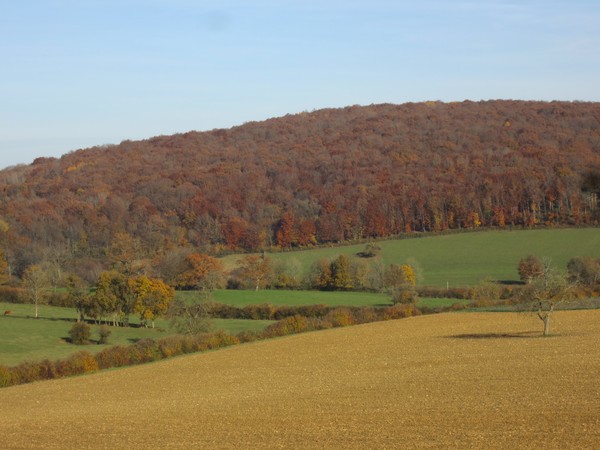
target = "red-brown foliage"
x: 327, y: 176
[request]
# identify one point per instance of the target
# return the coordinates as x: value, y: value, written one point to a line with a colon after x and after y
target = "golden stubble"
x: 468, y: 380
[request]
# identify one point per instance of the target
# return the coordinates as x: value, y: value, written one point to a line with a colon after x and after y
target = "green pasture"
x: 466, y: 258
x: 241, y: 298
x: 22, y: 337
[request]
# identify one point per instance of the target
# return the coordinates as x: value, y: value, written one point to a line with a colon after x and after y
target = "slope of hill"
x: 326, y: 176
x: 465, y: 259
x: 444, y: 381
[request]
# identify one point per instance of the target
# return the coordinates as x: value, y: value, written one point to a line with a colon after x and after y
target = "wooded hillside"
x: 326, y: 176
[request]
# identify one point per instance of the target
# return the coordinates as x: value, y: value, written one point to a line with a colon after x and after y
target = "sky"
x: 82, y: 73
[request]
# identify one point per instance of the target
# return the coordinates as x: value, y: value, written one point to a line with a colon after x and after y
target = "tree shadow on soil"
x: 519, y: 335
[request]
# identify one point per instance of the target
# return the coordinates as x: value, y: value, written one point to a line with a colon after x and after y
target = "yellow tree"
x: 408, y: 274
x: 399, y: 275
x: 401, y: 280
x: 341, y: 278
x: 256, y: 270
x: 153, y: 297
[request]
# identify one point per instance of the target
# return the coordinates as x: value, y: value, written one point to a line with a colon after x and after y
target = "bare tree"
x: 544, y: 294
x: 191, y: 318
x: 35, y: 281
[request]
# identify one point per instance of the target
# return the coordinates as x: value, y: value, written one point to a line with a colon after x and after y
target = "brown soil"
x: 449, y: 380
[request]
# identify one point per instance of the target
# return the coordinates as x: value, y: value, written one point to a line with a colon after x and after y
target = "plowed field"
x: 449, y: 380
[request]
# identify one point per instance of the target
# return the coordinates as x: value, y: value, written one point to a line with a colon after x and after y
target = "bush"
x: 79, y: 363
x: 217, y: 340
x: 60, y: 299
x: 340, y: 317
x: 289, y: 325
x: 80, y: 333
x: 145, y: 350
x: 248, y: 336
x: 400, y: 311
x: 404, y: 294
x: 104, y: 332
x: 263, y: 311
x: 222, y: 311
x: 312, y: 310
x: 26, y: 372
x: 170, y: 346
x: 117, y: 356
x: 365, y: 315
x: 48, y: 370
x: 435, y: 292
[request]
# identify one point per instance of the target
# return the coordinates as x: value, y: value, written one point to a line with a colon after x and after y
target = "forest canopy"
x: 327, y: 176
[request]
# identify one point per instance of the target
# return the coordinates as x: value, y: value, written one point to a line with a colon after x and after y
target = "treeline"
x: 329, y: 176
x: 148, y: 350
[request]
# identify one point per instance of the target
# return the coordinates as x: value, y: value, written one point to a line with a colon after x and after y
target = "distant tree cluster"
x: 117, y: 297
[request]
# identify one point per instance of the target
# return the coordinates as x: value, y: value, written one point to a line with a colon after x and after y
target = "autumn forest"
x: 312, y: 178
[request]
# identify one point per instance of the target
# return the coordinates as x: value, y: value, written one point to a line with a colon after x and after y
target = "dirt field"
x: 451, y: 380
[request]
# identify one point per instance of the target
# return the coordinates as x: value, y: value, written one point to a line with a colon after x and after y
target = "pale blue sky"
x: 79, y: 73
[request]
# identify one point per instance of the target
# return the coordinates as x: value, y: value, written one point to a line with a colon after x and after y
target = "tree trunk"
x: 546, y: 325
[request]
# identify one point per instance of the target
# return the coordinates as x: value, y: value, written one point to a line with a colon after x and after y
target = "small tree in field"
x: 546, y: 293
x: 191, y: 318
x: 35, y: 281
x: 405, y: 294
x: 256, y: 271
x: 341, y: 278
x: 399, y: 275
x: 530, y: 268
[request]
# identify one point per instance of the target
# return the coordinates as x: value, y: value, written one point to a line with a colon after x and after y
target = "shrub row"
x: 339, y: 317
x: 27, y: 372
x: 266, y: 311
x: 143, y: 351
x: 10, y: 294
x: 461, y: 293
x: 147, y: 350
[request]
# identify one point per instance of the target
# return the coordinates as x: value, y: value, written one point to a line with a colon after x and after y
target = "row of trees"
x: 114, y: 295
x: 581, y: 270
x: 341, y: 273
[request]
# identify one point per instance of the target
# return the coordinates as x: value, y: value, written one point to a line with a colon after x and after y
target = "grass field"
x: 22, y: 337
x: 443, y: 381
x: 467, y: 258
x: 241, y: 298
